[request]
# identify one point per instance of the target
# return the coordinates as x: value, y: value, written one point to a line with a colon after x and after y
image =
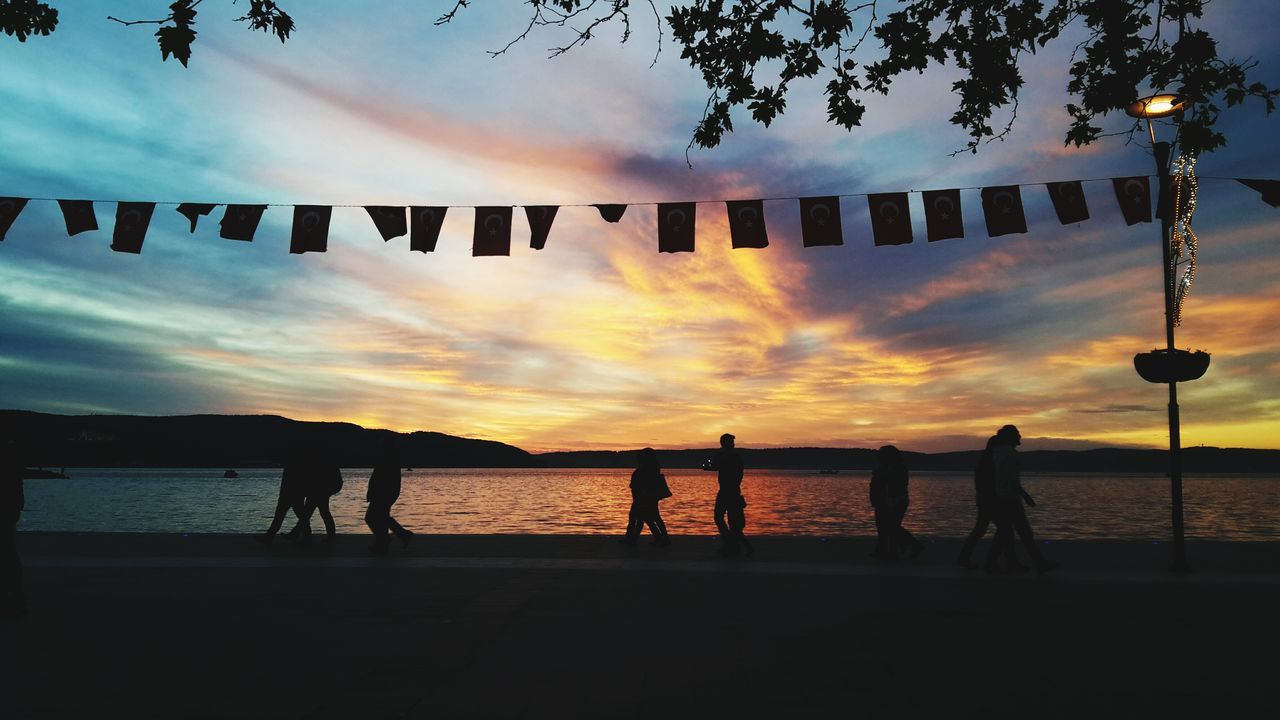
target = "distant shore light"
x: 1156, y: 106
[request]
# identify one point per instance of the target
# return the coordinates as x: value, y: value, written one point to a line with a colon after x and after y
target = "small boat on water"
x: 231, y: 475
x: 828, y: 471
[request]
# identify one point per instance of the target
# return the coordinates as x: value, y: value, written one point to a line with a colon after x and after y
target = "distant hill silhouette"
x: 263, y: 440
x: 230, y: 441
x: 1194, y: 459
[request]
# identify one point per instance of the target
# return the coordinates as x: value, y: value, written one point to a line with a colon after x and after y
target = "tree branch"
x: 161, y: 21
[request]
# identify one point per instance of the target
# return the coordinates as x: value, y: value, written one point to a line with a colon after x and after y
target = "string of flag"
x: 820, y: 219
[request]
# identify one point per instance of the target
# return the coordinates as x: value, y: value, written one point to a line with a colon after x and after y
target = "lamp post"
x: 1149, y: 108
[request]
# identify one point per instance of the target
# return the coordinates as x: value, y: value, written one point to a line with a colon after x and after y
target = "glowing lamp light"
x: 1156, y: 106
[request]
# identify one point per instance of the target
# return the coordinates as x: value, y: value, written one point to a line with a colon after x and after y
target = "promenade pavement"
x: 216, y: 626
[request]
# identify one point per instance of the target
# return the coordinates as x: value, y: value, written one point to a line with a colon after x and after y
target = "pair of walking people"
x: 649, y: 487
x: 1000, y: 495
x: 307, y: 482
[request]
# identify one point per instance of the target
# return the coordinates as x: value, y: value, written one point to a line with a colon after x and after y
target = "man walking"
x: 13, y: 600
x: 730, y: 512
x: 1011, y: 516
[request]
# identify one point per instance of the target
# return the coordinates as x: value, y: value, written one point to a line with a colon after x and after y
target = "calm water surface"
x: 477, y: 501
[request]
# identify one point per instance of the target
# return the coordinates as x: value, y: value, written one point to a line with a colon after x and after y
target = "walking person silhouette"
x: 13, y: 598
x: 323, y: 481
x: 292, y: 497
x: 1010, y: 515
x: 382, y: 493
x: 730, y: 510
x: 648, y: 488
x: 890, y: 497
x: 984, y: 486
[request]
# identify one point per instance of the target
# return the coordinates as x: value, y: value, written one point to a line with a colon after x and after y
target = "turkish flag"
x: 1002, y: 208
x: 9, y: 209
x: 389, y: 220
x: 493, y: 231
x: 746, y: 223
x: 193, y: 211
x: 132, y: 219
x: 675, y: 226
x: 1068, y: 202
x: 1134, y: 196
x: 240, y: 222
x: 890, y: 218
x: 611, y: 213
x: 820, y: 221
x: 425, y: 227
x: 1269, y: 189
x: 310, y: 229
x: 540, y: 219
x: 943, y: 218
x: 78, y: 215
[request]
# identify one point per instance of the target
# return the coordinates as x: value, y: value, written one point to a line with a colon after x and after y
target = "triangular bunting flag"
x: 132, y: 219
x: 820, y: 221
x: 193, y: 211
x: 890, y: 218
x: 426, y: 225
x: 611, y: 213
x: 675, y: 227
x: 1269, y: 189
x: 943, y: 218
x: 240, y: 222
x: 310, y: 229
x: 9, y: 209
x: 746, y: 223
x: 78, y: 215
x: 1134, y: 196
x: 1068, y: 202
x: 540, y: 219
x: 389, y: 220
x: 492, y: 235
x: 1002, y: 208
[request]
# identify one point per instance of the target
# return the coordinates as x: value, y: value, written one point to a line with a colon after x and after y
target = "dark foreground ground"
x: 209, y: 626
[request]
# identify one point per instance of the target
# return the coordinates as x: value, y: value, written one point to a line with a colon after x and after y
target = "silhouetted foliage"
x: 177, y: 29
x: 21, y: 18
x: 749, y: 53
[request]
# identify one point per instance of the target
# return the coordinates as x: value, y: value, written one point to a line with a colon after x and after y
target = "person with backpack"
x: 322, y: 480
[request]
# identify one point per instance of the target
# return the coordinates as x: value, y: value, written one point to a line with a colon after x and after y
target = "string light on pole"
x: 1183, y: 240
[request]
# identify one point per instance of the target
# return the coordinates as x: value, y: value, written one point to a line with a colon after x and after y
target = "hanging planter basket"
x: 1170, y: 366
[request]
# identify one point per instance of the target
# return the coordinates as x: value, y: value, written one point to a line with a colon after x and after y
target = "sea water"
x: 582, y: 501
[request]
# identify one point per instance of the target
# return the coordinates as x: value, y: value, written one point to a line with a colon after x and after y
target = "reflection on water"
x: 595, y: 502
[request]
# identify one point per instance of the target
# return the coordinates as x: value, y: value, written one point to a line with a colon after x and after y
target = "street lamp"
x: 1170, y: 365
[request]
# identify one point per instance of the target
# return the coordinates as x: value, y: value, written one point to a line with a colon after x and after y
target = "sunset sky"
x: 598, y: 341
